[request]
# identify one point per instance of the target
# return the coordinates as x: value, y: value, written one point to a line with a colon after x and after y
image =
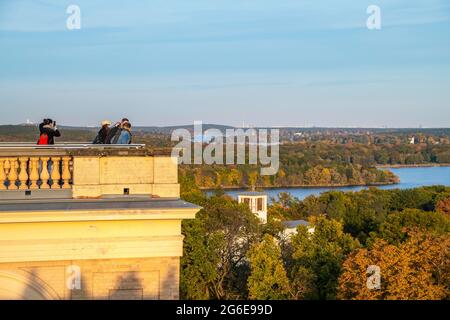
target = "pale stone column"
x: 56, y: 175
x: 2, y: 175
x: 66, y: 173
x: 34, y: 173
x: 45, y: 175
x: 12, y: 176
x: 23, y: 176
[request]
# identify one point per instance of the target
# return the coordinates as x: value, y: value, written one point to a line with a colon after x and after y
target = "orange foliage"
x: 417, y: 269
x: 443, y: 206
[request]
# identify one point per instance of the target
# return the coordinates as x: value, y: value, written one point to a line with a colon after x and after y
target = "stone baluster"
x: 66, y: 173
x: 12, y: 175
x: 2, y: 174
x: 45, y: 175
x: 34, y: 173
x: 56, y: 175
x: 7, y: 166
x: 23, y: 176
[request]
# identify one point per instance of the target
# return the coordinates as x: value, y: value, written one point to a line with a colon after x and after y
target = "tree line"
x: 322, y: 164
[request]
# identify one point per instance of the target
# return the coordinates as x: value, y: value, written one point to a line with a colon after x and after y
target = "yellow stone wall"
x: 92, y: 234
x: 126, y: 254
x: 124, y: 279
x: 95, y: 176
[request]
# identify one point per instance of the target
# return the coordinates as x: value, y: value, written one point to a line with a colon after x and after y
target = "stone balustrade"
x: 35, y: 172
x: 85, y: 171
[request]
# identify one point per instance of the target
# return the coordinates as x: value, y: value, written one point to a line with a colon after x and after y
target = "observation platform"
x: 83, y: 221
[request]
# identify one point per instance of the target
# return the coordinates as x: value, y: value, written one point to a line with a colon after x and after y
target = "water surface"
x: 409, y: 178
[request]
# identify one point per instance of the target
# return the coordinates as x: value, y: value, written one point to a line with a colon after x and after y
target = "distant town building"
x: 257, y: 202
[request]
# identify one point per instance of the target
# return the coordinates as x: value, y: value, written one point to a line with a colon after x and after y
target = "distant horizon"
x: 224, y: 125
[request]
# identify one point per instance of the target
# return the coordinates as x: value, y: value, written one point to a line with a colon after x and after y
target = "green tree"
x: 216, y: 243
x: 268, y: 279
x: 396, y: 226
x: 236, y: 229
x: 317, y: 258
x: 199, y: 262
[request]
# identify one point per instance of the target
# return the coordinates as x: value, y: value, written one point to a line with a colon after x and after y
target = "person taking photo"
x: 47, y: 132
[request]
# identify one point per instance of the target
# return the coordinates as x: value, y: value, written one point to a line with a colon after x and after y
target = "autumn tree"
x: 252, y: 178
x: 285, y: 207
x: 416, y: 269
x: 235, y: 177
x: 443, y: 206
x: 268, y: 279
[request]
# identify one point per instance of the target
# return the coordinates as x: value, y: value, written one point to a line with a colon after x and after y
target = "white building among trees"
x: 257, y: 202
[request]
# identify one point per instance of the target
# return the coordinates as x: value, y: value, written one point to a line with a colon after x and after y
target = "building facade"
x: 85, y: 222
x: 257, y: 202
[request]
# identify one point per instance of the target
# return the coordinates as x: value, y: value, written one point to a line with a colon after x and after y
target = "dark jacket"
x: 50, y: 131
x: 113, y: 134
x: 102, y: 136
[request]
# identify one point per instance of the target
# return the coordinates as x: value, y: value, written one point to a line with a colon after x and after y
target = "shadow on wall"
x: 128, y: 287
x: 37, y: 289
x: 170, y: 286
x: 79, y: 294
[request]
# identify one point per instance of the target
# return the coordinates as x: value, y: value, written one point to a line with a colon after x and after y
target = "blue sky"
x: 265, y: 62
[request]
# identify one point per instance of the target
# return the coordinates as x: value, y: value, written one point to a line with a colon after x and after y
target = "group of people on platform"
x: 119, y: 133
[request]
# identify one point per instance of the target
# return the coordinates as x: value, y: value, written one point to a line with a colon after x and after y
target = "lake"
x: 409, y: 178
